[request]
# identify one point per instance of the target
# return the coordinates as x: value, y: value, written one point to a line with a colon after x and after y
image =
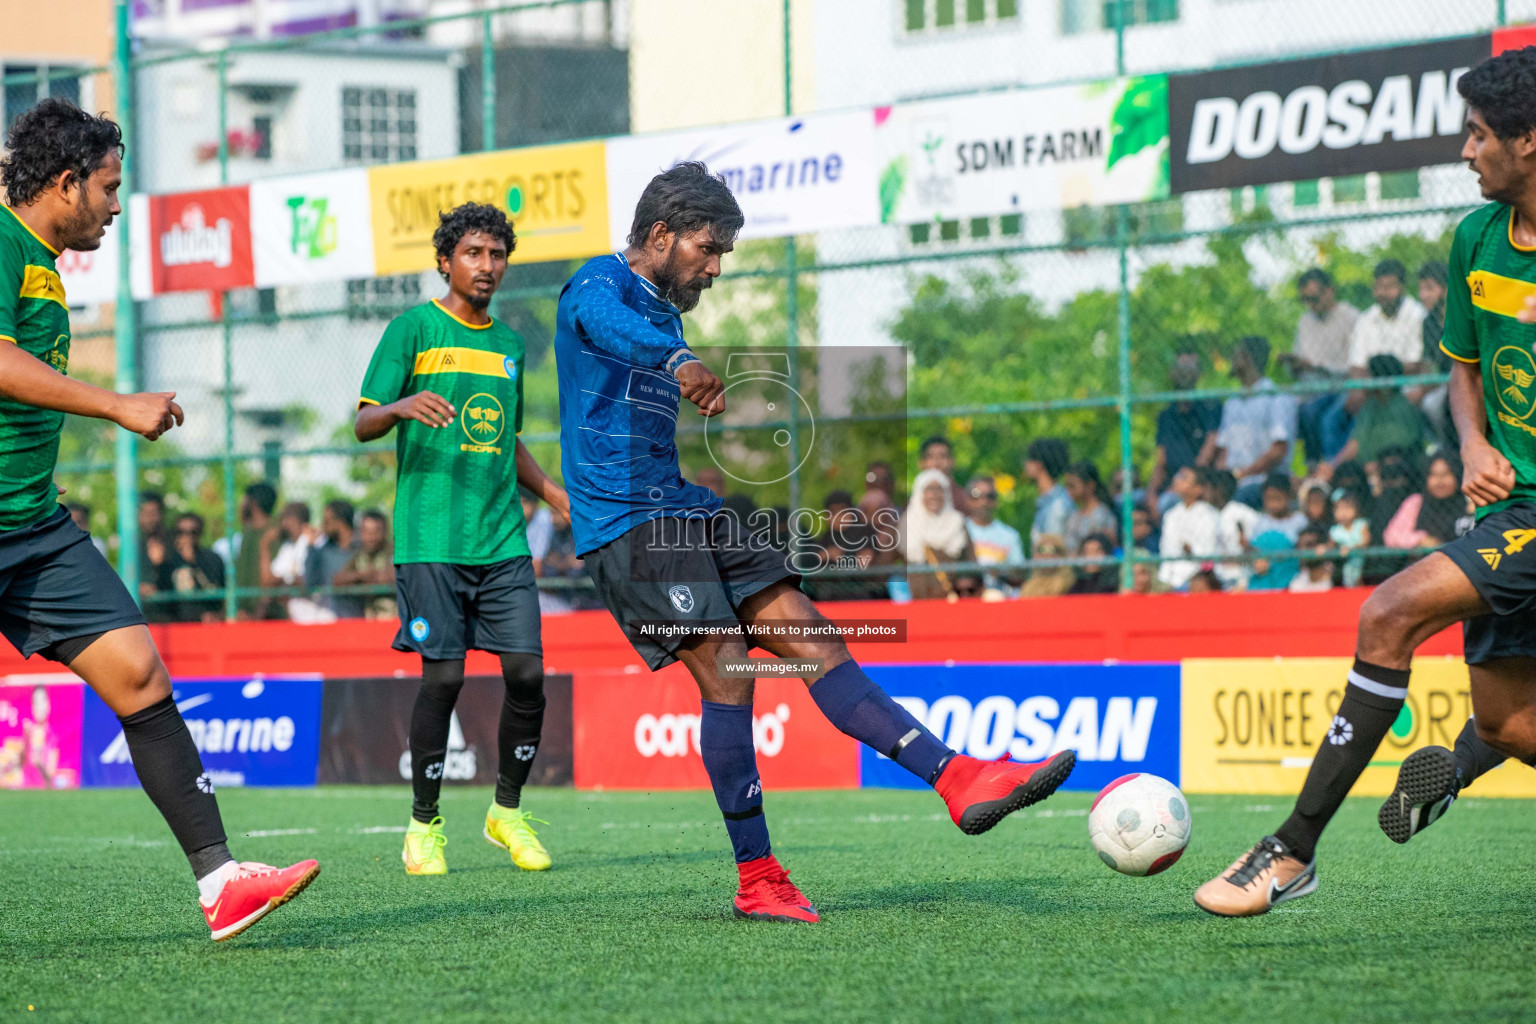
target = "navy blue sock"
x: 725, y: 741
x: 857, y: 706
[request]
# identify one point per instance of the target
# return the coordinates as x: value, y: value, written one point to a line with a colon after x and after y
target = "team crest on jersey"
x: 682, y: 599
x: 510, y: 365
x: 1514, y: 372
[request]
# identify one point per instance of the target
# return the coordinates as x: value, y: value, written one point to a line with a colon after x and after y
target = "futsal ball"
x: 1139, y: 824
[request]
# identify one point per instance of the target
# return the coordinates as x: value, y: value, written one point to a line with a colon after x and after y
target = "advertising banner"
x: 635, y: 731
x: 250, y: 732
x: 200, y: 241
x: 312, y: 227
x: 556, y: 197
x: 1253, y: 725
x: 790, y: 175
x: 1119, y: 718
x: 973, y: 156
x: 1377, y: 110
x: 40, y: 735
x: 366, y: 732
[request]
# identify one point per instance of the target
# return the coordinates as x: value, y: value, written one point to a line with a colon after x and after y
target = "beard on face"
x: 477, y: 301
x: 82, y: 231
x: 684, y: 295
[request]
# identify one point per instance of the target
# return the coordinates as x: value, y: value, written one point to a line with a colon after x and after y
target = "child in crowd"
x: 1275, y: 530
x: 1316, y: 573
x: 1350, y: 531
x: 1314, y: 504
x: 1205, y: 581
x: 1234, y: 527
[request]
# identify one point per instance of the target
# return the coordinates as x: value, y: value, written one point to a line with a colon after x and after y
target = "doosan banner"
x: 1377, y: 110
x: 1093, y: 144
x: 311, y: 227
x: 790, y: 175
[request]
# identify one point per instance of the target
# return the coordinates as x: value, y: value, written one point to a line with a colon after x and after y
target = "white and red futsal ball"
x: 1139, y: 824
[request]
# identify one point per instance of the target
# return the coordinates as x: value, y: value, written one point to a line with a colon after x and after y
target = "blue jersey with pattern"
x: 614, y: 335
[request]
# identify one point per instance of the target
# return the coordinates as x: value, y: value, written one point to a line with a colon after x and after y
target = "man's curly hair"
x: 53, y: 137
x: 461, y: 220
x: 1503, y: 90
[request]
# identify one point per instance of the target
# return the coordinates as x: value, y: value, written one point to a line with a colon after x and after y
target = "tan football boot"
x: 1256, y: 881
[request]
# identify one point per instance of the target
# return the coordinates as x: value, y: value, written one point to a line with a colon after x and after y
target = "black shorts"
x: 445, y: 610
x: 55, y: 585
x: 675, y: 570
x: 1499, y: 556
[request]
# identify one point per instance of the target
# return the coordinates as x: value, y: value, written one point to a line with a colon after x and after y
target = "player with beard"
x: 1485, y: 579
x: 448, y: 378
x: 660, y: 551
x: 58, y: 596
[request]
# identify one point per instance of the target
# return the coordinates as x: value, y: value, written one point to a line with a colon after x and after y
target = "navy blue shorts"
x: 446, y: 610
x: 55, y: 585
x: 1499, y: 556
x: 682, y: 571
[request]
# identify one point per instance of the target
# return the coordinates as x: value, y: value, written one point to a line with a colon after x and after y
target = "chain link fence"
x: 1113, y: 330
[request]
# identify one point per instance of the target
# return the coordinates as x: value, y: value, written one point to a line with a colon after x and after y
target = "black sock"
x: 1473, y: 756
x: 431, y: 719
x: 522, y: 722
x: 171, y: 772
x: 1372, y: 701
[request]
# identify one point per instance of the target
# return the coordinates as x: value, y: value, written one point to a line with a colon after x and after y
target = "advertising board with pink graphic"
x: 40, y: 735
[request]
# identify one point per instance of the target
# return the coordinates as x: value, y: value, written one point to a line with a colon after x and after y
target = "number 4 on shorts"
x: 1517, y: 540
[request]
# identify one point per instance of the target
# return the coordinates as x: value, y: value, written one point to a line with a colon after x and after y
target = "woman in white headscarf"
x: 935, y: 535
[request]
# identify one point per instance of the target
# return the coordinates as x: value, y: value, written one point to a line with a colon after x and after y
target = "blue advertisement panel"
x: 251, y: 732
x: 1119, y: 718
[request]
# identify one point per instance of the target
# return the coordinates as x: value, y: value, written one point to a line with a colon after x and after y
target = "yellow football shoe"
x: 423, y: 853
x: 511, y: 830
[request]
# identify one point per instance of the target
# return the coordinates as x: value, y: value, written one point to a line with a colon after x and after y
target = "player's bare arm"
x: 532, y: 476
x: 374, y: 421
x: 27, y: 379
x: 1487, y: 475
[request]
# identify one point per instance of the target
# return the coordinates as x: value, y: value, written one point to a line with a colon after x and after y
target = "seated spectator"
x: 540, y: 527
x: 1394, y: 325
x: 246, y: 553
x: 994, y: 541
x: 1144, y: 531
x: 1316, y: 504
x: 1396, y: 476
x: 1205, y: 582
x: 1049, y: 581
x: 1274, y: 531
x: 81, y: 516
x: 1091, y: 510
x: 372, y: 565
x: 937, y: 453
x: 1385, y: 419
x: 284, y: 553
x: 1044, y: 463
x: 935, y: 535
x: 1234, y: 528
x: 1186, y: 432
x: 1433, y: 276
x: 329, y: 554
x: 879, y: 477
x: 1349, y: 531
x: 192, y: 569
x: 1101, y: 577
x: 1258, y: 430
x: 1316, y: 573
x: 1191, y: 529
x: 1320, y: 352
x: 1144, y: 576
x: 1428, y: 519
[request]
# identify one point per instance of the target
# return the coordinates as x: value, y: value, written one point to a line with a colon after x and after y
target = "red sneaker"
x: 982, y: 793
x: 767, y: 894
x: 253, y: 893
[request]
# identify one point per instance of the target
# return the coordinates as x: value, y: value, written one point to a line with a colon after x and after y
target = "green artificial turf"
x: 98, y: 920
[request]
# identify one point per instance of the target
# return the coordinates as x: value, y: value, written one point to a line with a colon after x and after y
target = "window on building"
x: 1355, y: 190
x: 1087, y: 225
x: 382, y: 298
x: 22, y: 95
x: 924, y: 15
x: 262, y: 128
x: 377, y: 125
x: 1097, y: 15
x: 981, y: 230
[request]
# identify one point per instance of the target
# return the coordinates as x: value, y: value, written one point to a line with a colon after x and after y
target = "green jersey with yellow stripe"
x: 456, y: 495
x: 1490, y: 277
x: 35, y: 318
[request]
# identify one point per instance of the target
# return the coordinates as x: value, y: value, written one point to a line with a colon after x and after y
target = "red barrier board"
x: 638, y: 730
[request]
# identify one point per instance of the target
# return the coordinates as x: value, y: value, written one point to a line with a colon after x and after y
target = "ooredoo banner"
x: 790, y: 175
x: 200, y: 241
x: 641, y: 731
x: 1253, y: 725
x: 366, y: 732
x: 556, y: 197
x: 312, y: 227
x: 1118, y: 718
x: 1376, y: 110
x: 40, y: 735
x: 1062, y: 147
x: 250, y: 732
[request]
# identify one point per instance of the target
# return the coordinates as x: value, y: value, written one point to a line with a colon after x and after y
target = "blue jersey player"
x: 663, y: 555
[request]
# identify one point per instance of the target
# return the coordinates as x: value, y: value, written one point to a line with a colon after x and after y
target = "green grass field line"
x: 98, y: 920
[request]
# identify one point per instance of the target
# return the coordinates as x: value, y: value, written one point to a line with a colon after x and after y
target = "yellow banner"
x: 1253, y: 725
x: 556, y: 197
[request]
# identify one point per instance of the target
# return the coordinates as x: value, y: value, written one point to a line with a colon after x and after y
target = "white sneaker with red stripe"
x: 253, y: 892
